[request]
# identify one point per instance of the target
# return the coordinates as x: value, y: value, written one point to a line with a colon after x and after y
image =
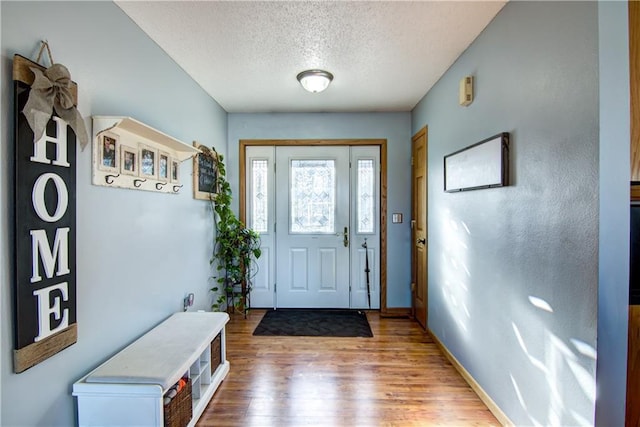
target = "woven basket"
x: 178, y: 412
x: 216, y: 353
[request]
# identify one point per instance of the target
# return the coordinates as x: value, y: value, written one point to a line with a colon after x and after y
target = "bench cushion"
x: 165, y: 353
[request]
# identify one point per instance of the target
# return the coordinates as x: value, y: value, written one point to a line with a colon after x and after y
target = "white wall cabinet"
x: 129, y: 388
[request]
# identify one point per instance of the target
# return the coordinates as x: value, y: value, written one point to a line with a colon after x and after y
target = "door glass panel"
x: 313, y: 196
x: 259, y: 196
x: 365, y: 197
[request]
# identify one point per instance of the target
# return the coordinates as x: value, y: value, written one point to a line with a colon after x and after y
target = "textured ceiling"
x: 384, y: 55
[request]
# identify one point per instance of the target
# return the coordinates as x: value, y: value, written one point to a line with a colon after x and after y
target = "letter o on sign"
x: 37, y: 197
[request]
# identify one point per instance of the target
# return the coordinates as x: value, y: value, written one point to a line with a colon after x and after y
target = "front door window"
x: 313, y: 196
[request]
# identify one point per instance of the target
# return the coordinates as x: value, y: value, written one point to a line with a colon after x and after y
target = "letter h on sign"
x: 45, y: 233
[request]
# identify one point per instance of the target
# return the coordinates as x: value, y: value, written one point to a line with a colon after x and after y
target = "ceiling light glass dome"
x: 315, y: 81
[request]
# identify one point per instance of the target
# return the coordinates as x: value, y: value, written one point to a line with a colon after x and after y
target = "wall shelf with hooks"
x: 130, y: 154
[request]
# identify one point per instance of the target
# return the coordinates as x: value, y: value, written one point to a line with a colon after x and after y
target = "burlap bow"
x: 52, y: 89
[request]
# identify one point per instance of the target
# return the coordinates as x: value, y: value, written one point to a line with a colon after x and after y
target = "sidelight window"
x: 259, y: 196
x: 365, y: 202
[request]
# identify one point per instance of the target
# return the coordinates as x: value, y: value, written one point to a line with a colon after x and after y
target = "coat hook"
x: 138, y: 182
x: 109, y: 178
x: 159, y: 185
x: 176, y: 188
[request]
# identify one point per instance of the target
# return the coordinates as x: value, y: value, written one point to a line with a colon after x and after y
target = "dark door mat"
x: 314, y: 323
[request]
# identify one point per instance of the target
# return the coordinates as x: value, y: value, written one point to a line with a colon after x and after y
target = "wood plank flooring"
x: 397, y: 378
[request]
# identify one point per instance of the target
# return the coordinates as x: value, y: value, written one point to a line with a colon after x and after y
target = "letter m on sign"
x: 45, y: 232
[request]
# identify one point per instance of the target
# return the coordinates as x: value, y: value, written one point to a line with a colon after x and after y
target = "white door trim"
x: 243, y: 143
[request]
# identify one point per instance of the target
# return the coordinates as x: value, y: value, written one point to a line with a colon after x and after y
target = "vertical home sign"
x: 45, y: 231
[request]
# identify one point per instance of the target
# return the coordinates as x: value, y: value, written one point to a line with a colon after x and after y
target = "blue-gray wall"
x: 555, y: 75
x: 394, y: 127
x: 613, y: 261
x: 138, y: 252
x: 514, y: 271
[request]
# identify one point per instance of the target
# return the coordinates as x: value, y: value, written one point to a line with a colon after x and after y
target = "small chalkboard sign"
x: 205, y: 173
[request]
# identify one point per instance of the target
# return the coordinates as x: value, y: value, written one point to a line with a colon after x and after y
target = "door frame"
x: 382, y: 143
x: 632, y: 415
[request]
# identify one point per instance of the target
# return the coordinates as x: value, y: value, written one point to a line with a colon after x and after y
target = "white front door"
x: 314, y: 214
x: 312, y: 225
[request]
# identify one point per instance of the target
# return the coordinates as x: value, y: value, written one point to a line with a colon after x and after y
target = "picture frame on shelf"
x: 164, y: 166
x: 148, y: 160
x: 175, y: 171
x: 205, y: 173
x: 108, y: 149
x: 128, y: 160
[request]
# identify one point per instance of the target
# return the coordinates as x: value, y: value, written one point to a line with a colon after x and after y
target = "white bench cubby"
x: 129, y: 388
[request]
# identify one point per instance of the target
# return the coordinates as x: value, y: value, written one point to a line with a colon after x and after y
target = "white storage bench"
x: 130, y: 388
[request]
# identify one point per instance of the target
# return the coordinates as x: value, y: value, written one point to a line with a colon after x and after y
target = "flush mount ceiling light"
x: 315, y: 81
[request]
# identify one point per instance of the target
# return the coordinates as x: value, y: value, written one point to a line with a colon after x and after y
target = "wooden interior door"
x: 634, y: 85
x: 419, y: 227
x: 633, y: 356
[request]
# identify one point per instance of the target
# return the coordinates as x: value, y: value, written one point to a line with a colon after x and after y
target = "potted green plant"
x: 236, y: 246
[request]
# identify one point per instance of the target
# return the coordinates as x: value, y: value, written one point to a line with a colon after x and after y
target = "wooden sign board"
x: 45, y: 232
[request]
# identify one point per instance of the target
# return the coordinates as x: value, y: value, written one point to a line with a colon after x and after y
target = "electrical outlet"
x: 187, y: 301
